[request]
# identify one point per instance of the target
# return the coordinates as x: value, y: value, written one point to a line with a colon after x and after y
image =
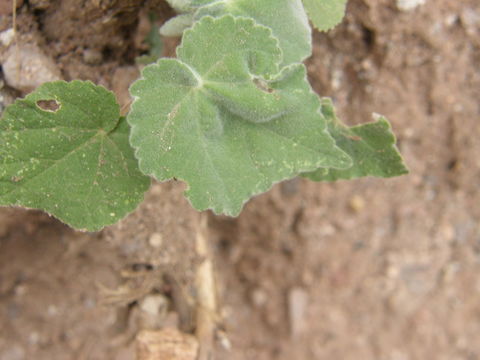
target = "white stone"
x: 407, y: 5
x: 155, y: 240
x: 26, y: 67
x: 154, y: 304
x: 6, y: 37
x: 298, y: 300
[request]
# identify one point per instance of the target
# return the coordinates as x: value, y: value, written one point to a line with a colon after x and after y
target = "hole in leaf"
x: 262, y: 85
x: 48, y: 105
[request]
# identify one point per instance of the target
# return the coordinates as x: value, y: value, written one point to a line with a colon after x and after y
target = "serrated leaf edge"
x: 326, y: 28
x: 88, y: 141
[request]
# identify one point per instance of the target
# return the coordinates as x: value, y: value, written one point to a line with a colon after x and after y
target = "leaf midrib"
x: 99, y: 134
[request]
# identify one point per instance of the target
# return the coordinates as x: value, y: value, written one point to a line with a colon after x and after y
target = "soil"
x: 364, y: 269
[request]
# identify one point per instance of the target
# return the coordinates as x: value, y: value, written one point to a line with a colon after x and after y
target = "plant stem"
x: 206, y: 311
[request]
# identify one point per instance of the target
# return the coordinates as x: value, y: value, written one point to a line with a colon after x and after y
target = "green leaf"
x: 371, y: 146
x: 325, y: 14
x: 177, y: 25
x: 74, y: 162
x: 286, y: 18
x: 222, y: 118
x: 181, y: 5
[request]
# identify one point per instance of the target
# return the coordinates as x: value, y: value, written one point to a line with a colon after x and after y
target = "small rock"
x: 52, y: 310
x: 259, y: 297
x: 92, y: 56
x: 33, y: 338
x: 297, y: 310
x: 407, y: 5
x: 153, y: 312
x: 155, y: 240
x: 27, y: 67
x: 357, y: 204
x: 167, y: 344
x: 223, y: 340
x: 6, y: 37
x: 154, y: 306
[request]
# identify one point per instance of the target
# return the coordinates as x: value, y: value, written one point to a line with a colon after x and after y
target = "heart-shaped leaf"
x: 286, y: 18
x: 224, y: 119
x: 64, y: 149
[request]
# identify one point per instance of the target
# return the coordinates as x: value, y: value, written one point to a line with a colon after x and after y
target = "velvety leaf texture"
x: 286, y: 18
x: 177, y: 25
x: 180, y: 5
x: 371, y: 146
x: 325, y: 14
x: 64, y: 149
x: 225, y: 120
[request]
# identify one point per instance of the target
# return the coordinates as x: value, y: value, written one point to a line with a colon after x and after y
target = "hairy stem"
x: 206, y: 292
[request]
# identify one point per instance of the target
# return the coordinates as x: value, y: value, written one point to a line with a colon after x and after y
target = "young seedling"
x: 231, y: 116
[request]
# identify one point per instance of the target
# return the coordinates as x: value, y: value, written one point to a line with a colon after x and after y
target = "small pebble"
x: 155, y: 240
x: 153, y: 311
x: 6, y: 37
x: 92, y: 56
x: 154, y: 304
x: 297, y: 310
x: 27, y: 67
x: 259, y: 297
x: 407, y: 5
x: 357, y: 204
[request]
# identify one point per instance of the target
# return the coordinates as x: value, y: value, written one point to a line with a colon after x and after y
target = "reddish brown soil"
x: 384, y: 269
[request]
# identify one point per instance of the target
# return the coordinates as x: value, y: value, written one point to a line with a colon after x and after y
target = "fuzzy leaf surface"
x: 223, y: 118
x: 177, y: 25
x: 74, y: 162
x: 371, y: 147
x: 180, y: 5
x: 325, y: 14
x: 286, y: 18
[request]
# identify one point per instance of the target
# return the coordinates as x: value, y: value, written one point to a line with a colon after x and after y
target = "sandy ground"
x: 366, y: 269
